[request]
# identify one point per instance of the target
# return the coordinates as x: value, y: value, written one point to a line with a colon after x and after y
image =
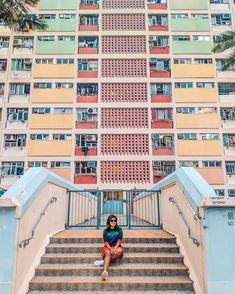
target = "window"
x: 184, y: 85
x: 11, y: 140
x: 46, y: 38
x: 219, y: 192
x: 163, y: 140
x: 230, y: 167
x: 189, y: 163
x: 66, y: 38
x: 39, y: 137
x: 17, y: 114
x: 160, y: 89
x: 85, y: 167
x: 44, y: 61
x: 42, y: 85
x: 41, y: 110
x: 187, y: 136
x: 179, y: 15
x: 181, y: 38
x: 87, y: 65
x: 60, y: 164
x: 209, y: 137
x: 203, y: 60
x: 211, y: 164
x: 64, y: 85
x: 60, y: 110
x: 47, y: 16
x: 15, y: 168
x: 65, y: 61
x: 37, y: 164
x: 182, y: 61
x: 185, y: 110
x: 19, y: 89
x: 205, y: 85
x: 86, y: 140
x: 89, y: 20
x: 67, y: 16
x: 62, y: 137
x: 87, y: 89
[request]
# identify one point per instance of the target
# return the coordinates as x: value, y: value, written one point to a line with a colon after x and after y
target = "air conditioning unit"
x: 153, y: 38
x: 231, y: 193
x: 91, y: 164
x: 17, y: 42
x: 226, y: 16
x: 218, y: 38
x: 92, y: 110
x: 91, y: 138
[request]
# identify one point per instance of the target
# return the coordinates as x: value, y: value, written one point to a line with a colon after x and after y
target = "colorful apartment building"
x: 118, y: 94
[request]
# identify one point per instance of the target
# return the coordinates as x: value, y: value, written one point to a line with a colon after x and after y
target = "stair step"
x: 114, y: 283
x: 54, y: 240
x: 96, y: 248
x: 128, y: 258
x: 113, y: 292
x: 117, y: 270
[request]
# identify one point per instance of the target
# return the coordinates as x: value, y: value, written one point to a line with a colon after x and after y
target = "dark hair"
x: 108, y: 222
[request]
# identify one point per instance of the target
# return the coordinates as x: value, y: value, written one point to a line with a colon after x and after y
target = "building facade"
x: 118, y: 94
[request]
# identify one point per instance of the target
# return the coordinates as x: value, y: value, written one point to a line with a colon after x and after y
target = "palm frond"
x: 12, y: 12
x: 229, y: 63
x: 227, y: 42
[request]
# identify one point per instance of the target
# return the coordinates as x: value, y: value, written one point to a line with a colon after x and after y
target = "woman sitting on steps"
x: 112, y: 249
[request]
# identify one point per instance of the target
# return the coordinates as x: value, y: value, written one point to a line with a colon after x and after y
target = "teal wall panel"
x: 191, y: 47
x: 190, y: 25
x: 58, y: 5
x: 55, y: 47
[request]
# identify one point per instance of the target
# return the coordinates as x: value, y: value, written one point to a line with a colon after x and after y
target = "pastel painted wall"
x: 220, y: 250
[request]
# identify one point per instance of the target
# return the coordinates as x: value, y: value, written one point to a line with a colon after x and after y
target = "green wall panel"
x: 61, y: 25
x: 55, y: 47
x: 189, y: 4
x: 58, y: 4
x: 190, y: 25
x: 191, y: 47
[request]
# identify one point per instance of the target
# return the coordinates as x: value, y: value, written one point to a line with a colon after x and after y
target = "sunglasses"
x: 113, y: 221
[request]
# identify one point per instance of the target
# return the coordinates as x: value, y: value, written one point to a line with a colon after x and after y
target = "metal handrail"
x: 25, y: 242
x: 195, y: 240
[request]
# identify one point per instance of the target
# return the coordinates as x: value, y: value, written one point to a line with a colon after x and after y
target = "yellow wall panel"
x: 49, y: 148
x: 52, y: 95
x: 62, y: 71
x: 51, y: 121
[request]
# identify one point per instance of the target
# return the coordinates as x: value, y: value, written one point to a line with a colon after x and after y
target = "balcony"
x: 58, y: 5
x: 56, y: 47
x: 51, y: 121
x: 60, y: 25
x: 229, y: 144
x: 14, y: 145
x: 158, y: 28
x: 4, y: 45
x: 230, y: 172
x: 23, y: 45
x: 195, y: 95
x: 193, y: 70
x: 87, y: 74
x: 213, y: 175
x: 226, y: 92
x: 87, y: 68
x: 197, y: 121
x: 52, y: 95
x: 190, y: 25
x: 225, y: 74
x: 163, y: 150
x: 161, y: 98
x: 214, y: 5
x: 87, y: 45
x: 227, y: 117
x: 49, y: 148
x: 153, y: 4
x: 162, y: 124
x: 89, y: 23
x: 85, y: 179
x: 199, y: 148
x: 85, y: 151
x: 191, y: 47
x: 19, y: 98
x: 80, y: 124
x: 89, y: 5
x: 159, y: 50
x: 16, y: 124
x: 60, y: 71
x: 156, y: 73
x: 87, y: 99
x: 161, y: 170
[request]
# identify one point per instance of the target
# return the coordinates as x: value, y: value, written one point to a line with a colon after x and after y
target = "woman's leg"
x: 107, y: 258
x: 118, y: 253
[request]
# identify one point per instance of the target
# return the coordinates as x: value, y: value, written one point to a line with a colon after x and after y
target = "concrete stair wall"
x: 151, y: 263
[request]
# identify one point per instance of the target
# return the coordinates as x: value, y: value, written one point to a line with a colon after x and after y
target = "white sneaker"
x: 104, y: 275
x: 99, y: 263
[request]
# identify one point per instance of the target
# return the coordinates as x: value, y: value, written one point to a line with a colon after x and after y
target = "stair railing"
x: 25, y: 242
x: 195, y: 240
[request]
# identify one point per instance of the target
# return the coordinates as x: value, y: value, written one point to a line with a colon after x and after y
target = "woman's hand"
x: 112, y: 251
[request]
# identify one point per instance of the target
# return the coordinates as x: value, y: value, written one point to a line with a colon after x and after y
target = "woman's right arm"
x: 106, y: 243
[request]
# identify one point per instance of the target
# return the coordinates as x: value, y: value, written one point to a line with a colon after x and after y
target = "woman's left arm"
x: 120, y: 236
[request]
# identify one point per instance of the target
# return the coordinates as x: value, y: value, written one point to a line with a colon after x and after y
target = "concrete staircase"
x: 151, y: 264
